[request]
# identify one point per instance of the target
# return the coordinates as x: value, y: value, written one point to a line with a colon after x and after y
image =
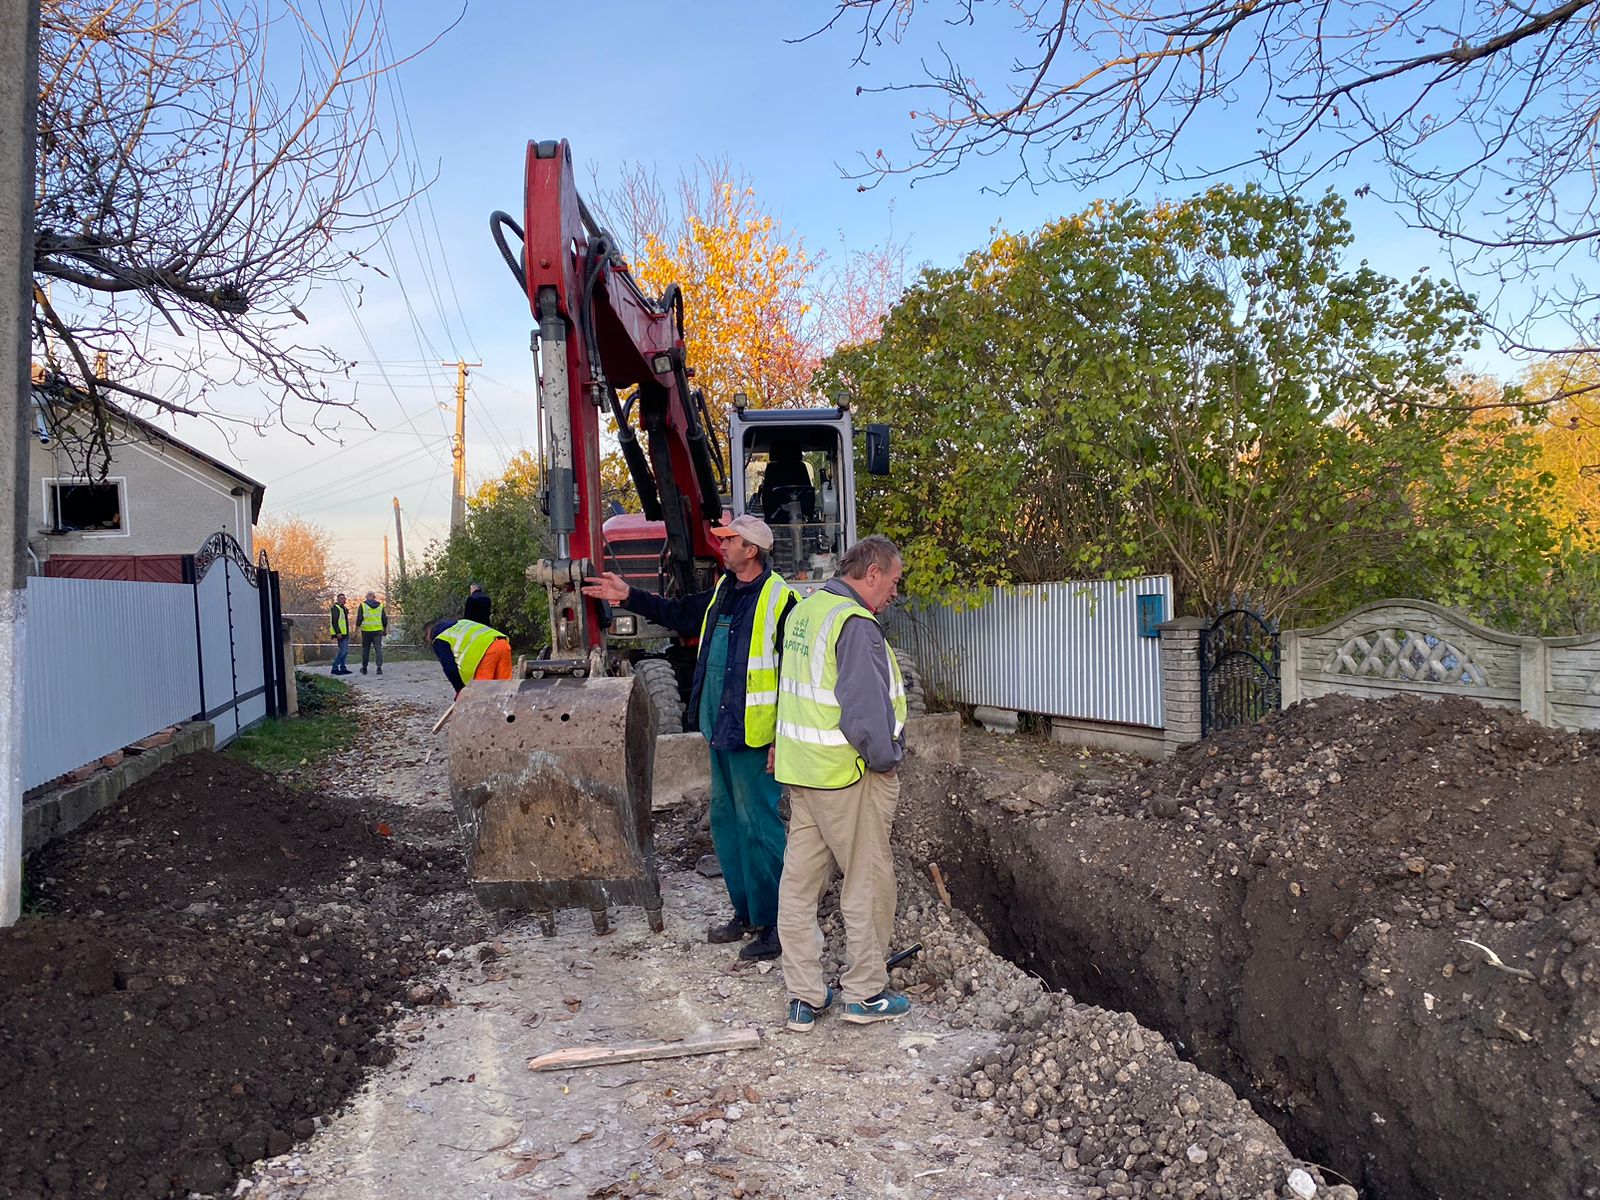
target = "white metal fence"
x: 108, y: 662
x: 1076, y: 650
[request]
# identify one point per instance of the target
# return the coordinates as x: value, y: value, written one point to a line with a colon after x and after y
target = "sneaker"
x: 732, y: 931
x: 803, y: 1015
x: 765, y: 945
x: 885, y: 1006
x: 363, y: 670
x: 380, y: 670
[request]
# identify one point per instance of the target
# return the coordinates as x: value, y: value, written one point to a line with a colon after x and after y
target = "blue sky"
x: 660, y: 83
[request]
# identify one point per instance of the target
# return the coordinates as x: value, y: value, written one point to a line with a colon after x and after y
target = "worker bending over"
x: 469, y: 650
x: 841, y: 724
x: 735, y: 695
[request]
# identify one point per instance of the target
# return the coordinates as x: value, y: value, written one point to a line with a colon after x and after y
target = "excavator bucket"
x: 551, y: 785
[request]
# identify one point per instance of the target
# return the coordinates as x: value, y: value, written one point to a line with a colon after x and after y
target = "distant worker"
x: 478, y: 607
x: 339, y: 629
x: 735, y: 695
x: 373, y: 618
x: 468, y: 650
x: 841, y: 721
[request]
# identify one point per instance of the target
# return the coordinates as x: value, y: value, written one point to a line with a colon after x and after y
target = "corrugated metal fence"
x: 108, y: 662
x: 1058, y: 649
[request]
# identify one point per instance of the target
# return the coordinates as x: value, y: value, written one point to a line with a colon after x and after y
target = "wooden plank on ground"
x: 600, y: 1056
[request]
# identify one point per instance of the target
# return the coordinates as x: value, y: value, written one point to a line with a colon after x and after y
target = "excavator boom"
x: 550, y: 775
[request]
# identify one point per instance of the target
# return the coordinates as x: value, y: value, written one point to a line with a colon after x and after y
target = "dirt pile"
x: 204, y: 827
x: 1291, y: 904
x: 217, y: 962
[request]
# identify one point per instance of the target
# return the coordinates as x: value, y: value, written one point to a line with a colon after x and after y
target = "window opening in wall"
x: 90, y: 507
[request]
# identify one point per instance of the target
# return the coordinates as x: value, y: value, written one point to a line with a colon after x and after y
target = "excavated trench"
x: 1317, y: 969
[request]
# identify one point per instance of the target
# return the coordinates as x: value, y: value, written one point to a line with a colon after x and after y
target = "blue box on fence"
x: 1152, y: 612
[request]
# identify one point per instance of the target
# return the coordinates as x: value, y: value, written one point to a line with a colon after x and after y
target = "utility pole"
x: 458, y: 493
x: 19, y: 93
x: 386, y: 568
x: 399, y: 543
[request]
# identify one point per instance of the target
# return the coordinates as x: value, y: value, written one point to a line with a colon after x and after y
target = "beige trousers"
x: 847, y: 828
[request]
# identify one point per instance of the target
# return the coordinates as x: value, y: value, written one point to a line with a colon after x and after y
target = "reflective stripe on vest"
x: 339, y: 624
x: 812, y: 749
x: 761, y: 668
x: 469, y: 642
x: 371, y: 618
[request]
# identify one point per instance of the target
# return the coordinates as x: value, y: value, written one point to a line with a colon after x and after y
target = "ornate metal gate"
x: 1238, y: 670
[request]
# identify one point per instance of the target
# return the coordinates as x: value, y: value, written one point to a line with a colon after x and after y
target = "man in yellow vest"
x: 841, y: 724
x: 339, y: 630
x: 734, y: 697
x: 373, y: 620
x: 469, y: 650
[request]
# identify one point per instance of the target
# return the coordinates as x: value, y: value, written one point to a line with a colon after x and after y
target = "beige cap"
x: 752, y: 529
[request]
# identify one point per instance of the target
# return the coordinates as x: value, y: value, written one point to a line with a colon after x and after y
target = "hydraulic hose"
x: 497, y: 219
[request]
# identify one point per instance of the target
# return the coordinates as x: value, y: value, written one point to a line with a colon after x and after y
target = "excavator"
x: 550, y: 773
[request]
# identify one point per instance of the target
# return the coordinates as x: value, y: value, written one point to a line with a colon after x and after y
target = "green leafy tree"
x: 1206, y: 388
x: 504, y: 532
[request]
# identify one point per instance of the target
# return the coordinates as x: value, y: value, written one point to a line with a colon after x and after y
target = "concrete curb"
x: 56, y: 813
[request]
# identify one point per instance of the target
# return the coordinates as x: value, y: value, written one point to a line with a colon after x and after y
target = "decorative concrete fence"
x: 1414, y: 646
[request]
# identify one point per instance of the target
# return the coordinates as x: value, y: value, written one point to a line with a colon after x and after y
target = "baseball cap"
x: 752, y: 529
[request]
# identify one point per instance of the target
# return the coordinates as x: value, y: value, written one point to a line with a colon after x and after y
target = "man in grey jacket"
x: 841, y: 721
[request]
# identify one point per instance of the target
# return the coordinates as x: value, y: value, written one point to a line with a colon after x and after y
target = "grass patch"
x: 285, y: 744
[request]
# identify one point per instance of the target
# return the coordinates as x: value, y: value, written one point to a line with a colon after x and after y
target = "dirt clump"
x: 1292, y: 905
x: 216, y: 963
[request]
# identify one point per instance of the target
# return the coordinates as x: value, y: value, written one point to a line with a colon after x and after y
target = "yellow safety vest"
x: 761, y: 668
x: 340, y: 623
x: 371, y: 618
x: 469, y: 642
x: 812, y: 749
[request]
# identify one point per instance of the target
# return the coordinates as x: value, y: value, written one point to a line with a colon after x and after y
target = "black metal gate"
x: 1238, y: 670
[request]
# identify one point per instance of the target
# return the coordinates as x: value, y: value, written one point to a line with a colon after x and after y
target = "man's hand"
x: 772, y: 758
x: 609, y: 586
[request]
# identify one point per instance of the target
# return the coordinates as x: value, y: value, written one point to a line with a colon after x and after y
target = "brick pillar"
x: 1180, y: 680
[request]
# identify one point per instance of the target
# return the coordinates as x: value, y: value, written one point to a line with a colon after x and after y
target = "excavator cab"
x: 795, y: 469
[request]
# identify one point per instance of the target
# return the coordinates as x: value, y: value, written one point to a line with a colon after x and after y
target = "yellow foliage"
x: 1568, y: 435
x: 745, y: 288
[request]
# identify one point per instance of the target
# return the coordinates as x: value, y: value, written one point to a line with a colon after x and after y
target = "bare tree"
x: 1482, y: 111
x: 202, y: 166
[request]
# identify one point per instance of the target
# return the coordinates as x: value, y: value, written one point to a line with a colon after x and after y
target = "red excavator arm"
x: 598, y: 334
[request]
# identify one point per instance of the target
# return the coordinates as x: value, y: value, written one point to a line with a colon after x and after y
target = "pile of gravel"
x: 1091, y: 1089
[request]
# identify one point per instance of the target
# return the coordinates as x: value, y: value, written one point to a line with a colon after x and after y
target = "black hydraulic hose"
x: 497, y: 219
x: 644, y: 483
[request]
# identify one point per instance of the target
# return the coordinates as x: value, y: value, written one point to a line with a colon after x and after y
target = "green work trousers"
x: 747, y: 833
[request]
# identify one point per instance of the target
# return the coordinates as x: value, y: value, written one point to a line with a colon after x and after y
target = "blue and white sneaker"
x: 885, y: 1006
x: 803, y: 1015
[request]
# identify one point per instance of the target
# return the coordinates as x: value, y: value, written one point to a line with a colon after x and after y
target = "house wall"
x: 171, y: 502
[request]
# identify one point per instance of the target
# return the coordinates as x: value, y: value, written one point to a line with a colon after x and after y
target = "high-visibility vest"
x: 761, y: 668
x: 469, y: 642
x: 339, y: 621
x: 371, y: 617
x: 812, y: 749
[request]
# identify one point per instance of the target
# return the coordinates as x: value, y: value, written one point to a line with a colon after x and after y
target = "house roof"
x: 50, y: 399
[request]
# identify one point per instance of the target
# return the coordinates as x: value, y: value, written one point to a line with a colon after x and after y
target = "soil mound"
x: 150, y: 1062
x: 204, y: 828
x: 1292, y: 904
x: 217, y: 962
x: 1429, y: 810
